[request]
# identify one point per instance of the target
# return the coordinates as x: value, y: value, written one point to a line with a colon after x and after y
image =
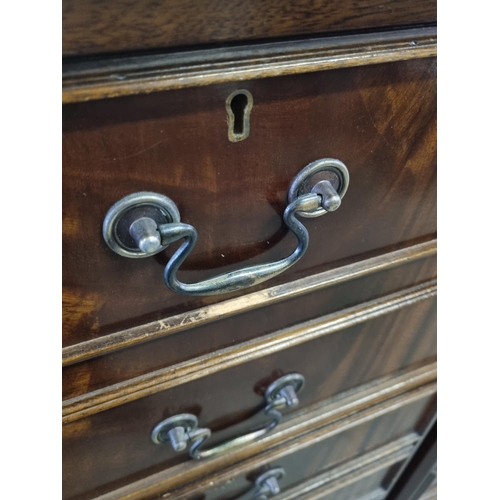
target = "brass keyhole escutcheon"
x: 238, y: 107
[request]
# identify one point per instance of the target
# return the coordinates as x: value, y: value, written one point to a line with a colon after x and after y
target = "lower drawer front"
x: 110, y: 458
x: 236, y: 326
x: 369, y: 485
x: 338, y: 445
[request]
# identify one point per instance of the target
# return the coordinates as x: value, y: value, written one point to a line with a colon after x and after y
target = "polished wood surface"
x: 379, y: 120
x: 196, y: 368
x: 325, y: 471
x: 330, y: 452
x: 367, y: 483
x: 293, y: 433
x: 104, y: 371
x: 91, y: 26
x: 201, y: 317
x: 88, y: 79
x: 118, y: 367
x: 121, y: 458
x: 114, y: 444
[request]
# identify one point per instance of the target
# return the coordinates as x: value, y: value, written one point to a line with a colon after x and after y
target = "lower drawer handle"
x: 266, y: 485
x: 143, y: 224
x: 182, y: 429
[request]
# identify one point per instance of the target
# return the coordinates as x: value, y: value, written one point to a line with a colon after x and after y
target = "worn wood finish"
x: 173, y: 350
x: 211, y: 363
x: 170, y: 351
x: 113, y: 448
x: 117, y: 461
x: 315, y: 460
x: 342, y: 412
x: 363, y: 483
x: 239, y: 307
x: 91, y: 26
x: 85, y: 80
x: 365, y: 478
x: 379, y: 120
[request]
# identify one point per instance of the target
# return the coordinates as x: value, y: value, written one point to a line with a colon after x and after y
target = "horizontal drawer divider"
x: 303, y: 430
x: 355, y: 470
x: 180, y: 322
x: 401, y: 447
x: 99, y: 79
x: 202, y: 366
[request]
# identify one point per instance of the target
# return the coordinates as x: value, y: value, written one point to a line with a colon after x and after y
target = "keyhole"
x: 238, y: 106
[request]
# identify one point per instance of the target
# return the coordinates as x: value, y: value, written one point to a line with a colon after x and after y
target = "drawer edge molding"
x: 100, y: 79
x: 330, y: 481
x: 225, y: 309
x: 404, y: 445
x: 202, y: 366
x: 300, y: 431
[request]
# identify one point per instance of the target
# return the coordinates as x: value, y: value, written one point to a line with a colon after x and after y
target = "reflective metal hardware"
x: 124, y: 236
x: 143, y: 224
x: 310, y: 180
x: 182, y: 429
x: 266, y: 485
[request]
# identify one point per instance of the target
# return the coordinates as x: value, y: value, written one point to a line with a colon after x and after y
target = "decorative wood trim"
x: 84, y: 81
x: 203, y: 315
x: 202, y: 366
x: 355, y: 470
x: 401, y: 447
x: 314, y: 424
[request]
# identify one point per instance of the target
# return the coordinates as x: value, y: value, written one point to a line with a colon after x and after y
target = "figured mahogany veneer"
x: 379, y: 120
x: 111, y: 447
x: 91, y: 26
x: 196, y: 334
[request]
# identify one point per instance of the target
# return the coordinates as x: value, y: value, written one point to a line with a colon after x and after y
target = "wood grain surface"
x: 379, y: 120
x: 321, y: 468
x: 251, y: 302
x: 217, y: 361
x: 174, y: 349
x: 365, y: 483
x: 110, y: 466
x: 365, y: 478
x: 293, y: 434
x: 91, y: 26
x: 87, y: 79
x: 113, y: 445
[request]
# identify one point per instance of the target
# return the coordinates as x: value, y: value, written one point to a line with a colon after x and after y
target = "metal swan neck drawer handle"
x: 144, y: 224
x: 182, y: 429
x: 266, y: 485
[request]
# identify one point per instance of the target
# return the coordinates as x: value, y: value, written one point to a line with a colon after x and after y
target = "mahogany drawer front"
x: 367, y: 482
x: 331, y: 452
x: 370, y: 484
x: 206, y: 337
x: 379, y: 120
x: 307, y: 427
x: 113, y: 446
x: 118, y: 25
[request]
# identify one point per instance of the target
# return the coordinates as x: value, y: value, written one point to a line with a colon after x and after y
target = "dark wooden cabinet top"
x: 94, y: 26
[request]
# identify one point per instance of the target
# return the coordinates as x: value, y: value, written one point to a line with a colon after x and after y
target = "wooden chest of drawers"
x: 223, y: 133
